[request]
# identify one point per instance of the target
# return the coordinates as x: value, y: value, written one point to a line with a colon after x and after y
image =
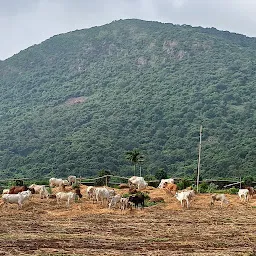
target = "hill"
x: 78, y: 101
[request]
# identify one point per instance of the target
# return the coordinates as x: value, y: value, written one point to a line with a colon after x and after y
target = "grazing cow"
x: 124, y: 203
x: 90, y: 192
x: 161, y: 184
x: 70, y: 196
x: 185, y: 196
x: 53, y: 182
x: 170, y: 188
x: 114, y: 201
x: 219, y: 197
x: 18, y: 189
x: 137, y: 199
x: 71, y: 180
x: 18, y: 199
x: 251, y: 191
x: 40, y: 189
x: 139, y: 181
x: 243, y: 194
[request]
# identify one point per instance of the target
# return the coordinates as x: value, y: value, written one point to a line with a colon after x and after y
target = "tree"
x: 134, y: 157
x: 161, y: 174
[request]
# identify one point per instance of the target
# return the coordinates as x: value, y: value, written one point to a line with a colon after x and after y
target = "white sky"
x: 27, y: 22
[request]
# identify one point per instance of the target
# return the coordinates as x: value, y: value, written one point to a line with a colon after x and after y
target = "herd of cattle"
x: 108, y: 197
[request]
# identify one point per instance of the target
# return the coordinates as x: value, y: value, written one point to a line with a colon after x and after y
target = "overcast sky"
x: 27, y: 22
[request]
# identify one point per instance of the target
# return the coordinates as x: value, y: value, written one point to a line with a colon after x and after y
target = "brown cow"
x: 251, y: 191
x: 78, y: 192
x: 170, y: 188
x: 18, y: 189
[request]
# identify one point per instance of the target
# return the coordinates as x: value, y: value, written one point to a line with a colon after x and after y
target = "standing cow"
x: 138, y: 181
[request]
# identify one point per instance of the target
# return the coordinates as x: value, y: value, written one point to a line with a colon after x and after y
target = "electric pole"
x: 199, y: 158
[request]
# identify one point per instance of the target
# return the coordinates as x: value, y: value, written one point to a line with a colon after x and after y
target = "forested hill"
x: 77, y: 102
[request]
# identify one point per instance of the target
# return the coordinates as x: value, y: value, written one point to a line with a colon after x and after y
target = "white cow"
x: 114, y: 201
x: 53, y: 182
x: 18, y: 199
x: 243, y: 194
x: 70, y: 196
x: 124, y: 203
x: 6, y: 191
x: 71, y: 180
x: 139, y: 181
x: 185, y: 196
x: 103, y: 195
x: 90, y: 192
x: 41, y: 190
x: 161, y: 184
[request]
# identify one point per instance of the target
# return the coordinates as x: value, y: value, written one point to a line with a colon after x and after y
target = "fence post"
x: 106, y: 180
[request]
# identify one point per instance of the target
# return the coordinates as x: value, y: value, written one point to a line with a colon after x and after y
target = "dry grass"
x: 44, y: 228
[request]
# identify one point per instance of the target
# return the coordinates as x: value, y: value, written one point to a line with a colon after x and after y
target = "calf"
x: 137, y: 199
x: 124, y: 203
x: 219, y: 197
x: 114, y: 201
x: 78, y: 192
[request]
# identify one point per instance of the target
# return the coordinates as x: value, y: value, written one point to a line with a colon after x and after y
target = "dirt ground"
x: 42, y: 227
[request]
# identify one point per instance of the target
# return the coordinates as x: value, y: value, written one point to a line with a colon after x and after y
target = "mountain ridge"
x: 147, y: 85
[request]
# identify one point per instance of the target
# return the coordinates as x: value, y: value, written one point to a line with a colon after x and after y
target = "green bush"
x: 184, y: 183
x: 75, y: 185
x: 212, y: 188
x: 125, y: 195
x: 148, y: 203
x: 203, y: 187
x: 233, y: 191
x: 248, y: 181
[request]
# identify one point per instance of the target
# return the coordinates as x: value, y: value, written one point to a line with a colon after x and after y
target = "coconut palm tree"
x: 134, y: 157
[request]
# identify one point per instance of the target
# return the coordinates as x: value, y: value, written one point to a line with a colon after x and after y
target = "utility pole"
x: 141, y: 160
x: 199, y: 159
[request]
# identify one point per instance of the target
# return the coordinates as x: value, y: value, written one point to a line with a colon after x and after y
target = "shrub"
x: 125, y: 195
x: 212, y: 187
x: 75, y: 185
x: 184, y: 183
x: 203, y: 187
x: 248, y: 181
x: 161, y: 174
x: 146, y: 195
x: 233, y: 190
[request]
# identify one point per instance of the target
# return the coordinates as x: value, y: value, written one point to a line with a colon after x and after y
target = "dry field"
x: 44, y: 228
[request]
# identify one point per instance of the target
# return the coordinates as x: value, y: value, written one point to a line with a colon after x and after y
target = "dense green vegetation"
x: 139, y: 85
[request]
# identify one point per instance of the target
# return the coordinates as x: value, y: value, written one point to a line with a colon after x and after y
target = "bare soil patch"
x: 44, y: 228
